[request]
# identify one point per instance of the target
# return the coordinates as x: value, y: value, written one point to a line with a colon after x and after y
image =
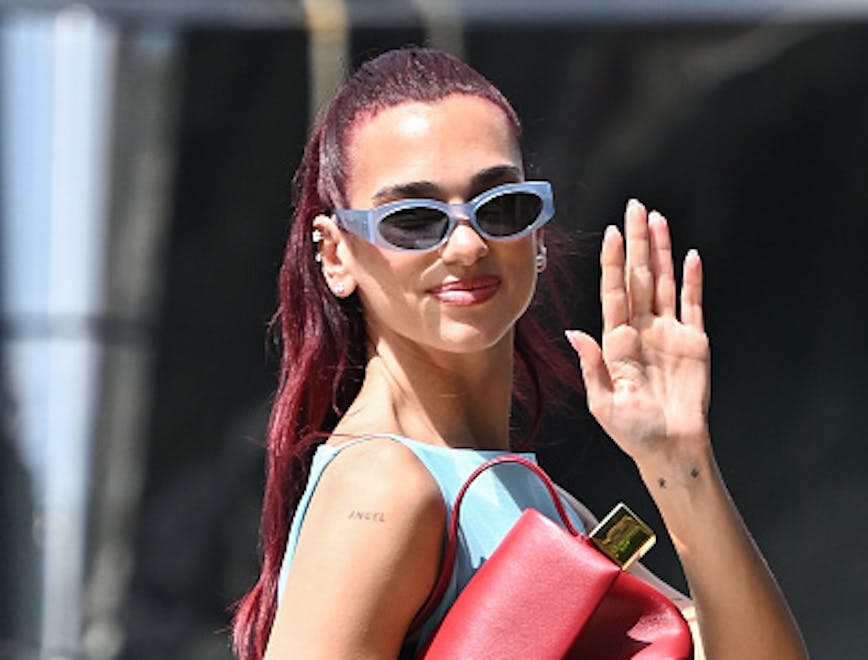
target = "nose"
x: 464, y: 246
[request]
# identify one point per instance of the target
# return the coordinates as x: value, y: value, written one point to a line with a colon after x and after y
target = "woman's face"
x: 466, y: 295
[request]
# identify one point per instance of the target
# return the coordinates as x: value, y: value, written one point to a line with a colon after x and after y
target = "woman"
x: 402, y: 325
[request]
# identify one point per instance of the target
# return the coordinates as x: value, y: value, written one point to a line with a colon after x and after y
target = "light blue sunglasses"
x: 504, y: 213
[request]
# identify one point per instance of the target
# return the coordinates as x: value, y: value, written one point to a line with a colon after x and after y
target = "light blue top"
x: 491, y: 506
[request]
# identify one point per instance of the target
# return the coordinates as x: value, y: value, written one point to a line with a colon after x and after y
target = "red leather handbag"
x: 548, y: 592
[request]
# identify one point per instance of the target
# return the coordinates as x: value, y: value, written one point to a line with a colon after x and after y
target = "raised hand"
x: 648, y: 386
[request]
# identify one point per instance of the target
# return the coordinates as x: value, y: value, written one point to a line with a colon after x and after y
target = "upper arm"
x: 366, y: 559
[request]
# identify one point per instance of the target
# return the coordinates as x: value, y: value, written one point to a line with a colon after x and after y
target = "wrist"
x: 683, y: 461
x: 688, y: 490
x: 681, y: 479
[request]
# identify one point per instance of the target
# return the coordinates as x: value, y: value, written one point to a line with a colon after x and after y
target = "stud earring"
x: 340, y: 289
x: 541, y: 258
x: 316, y: 237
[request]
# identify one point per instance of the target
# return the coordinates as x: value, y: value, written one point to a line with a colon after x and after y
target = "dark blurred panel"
x: 19, y: 553
x: 753, y: 140
x: 371, y: 41
x: 244, y: 117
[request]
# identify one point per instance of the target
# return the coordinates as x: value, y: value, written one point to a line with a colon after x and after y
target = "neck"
x: 456, y: 400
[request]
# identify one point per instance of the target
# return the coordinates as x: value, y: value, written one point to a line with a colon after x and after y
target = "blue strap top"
x: 491, y: 506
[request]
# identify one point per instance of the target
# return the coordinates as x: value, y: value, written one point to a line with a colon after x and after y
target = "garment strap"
x: 448, y: 563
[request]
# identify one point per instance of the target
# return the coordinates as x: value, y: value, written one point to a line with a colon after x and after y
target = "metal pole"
x: 86, y: 164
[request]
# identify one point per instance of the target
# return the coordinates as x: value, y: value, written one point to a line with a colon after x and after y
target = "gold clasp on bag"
x: 622, y: 536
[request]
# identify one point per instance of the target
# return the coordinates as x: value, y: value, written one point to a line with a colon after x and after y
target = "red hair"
x: 323, y: 338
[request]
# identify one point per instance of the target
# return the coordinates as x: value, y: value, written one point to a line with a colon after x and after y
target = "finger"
x: 691, y: 291
x: 613, y: 290
x: 661, y: 265
x: 595, y: 374
x: 640, y: 281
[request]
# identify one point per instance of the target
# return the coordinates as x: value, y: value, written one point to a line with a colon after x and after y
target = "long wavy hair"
x: 323, y: 338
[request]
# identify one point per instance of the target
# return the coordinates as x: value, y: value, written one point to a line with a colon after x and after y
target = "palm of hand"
x: 648, y: 386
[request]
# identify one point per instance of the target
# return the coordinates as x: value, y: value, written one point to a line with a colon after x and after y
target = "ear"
x: 541, y: 252
x: 335, y: 256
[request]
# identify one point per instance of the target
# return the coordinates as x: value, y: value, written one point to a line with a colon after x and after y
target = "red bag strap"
x: 448, y: 563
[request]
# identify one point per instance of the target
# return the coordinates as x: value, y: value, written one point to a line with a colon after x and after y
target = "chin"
x: 473, y: 339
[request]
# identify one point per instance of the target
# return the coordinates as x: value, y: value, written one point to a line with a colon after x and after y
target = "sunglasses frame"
x: 365, y: 223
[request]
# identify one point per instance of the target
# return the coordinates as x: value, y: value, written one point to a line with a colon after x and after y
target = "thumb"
x: 595, y: 374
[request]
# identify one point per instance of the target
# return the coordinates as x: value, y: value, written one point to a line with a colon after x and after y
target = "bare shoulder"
x: 375, y: 494
x: 367, y: 555
x: 380, y: 470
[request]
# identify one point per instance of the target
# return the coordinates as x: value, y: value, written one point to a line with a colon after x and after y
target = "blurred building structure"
x: 147, y: 148
x: 86, y: 173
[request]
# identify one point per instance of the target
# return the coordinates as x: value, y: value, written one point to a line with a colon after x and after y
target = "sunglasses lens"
x: 509, y: 214
x: 417, y: 228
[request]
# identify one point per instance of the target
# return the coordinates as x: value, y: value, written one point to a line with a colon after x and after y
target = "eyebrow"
x: 479, y: 182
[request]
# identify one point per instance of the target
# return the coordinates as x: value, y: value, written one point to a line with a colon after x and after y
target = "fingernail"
x: 572, y: 337
x: 611, y: 231
x: 692, y: 253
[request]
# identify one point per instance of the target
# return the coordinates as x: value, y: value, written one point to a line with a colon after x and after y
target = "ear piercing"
x: 316, y: 237
x: 338, y: 288
x: 541, y: 259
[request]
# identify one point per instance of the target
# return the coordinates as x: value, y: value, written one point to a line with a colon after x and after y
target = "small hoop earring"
x: 541, y: 258
x: 340, y: 289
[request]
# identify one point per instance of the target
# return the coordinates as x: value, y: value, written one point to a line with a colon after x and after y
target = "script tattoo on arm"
x: 372, y: 516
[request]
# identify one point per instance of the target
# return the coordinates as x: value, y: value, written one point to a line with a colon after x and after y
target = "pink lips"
x: 466, y: 291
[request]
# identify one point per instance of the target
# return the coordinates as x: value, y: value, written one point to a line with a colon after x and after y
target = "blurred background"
x: 147, y: 150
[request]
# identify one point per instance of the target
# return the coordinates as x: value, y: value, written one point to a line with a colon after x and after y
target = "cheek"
x: 521, y: 265
x: 521, y: 259
x: 380, y: 272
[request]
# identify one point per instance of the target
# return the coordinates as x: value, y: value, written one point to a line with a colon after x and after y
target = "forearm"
x: 741, y: 611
